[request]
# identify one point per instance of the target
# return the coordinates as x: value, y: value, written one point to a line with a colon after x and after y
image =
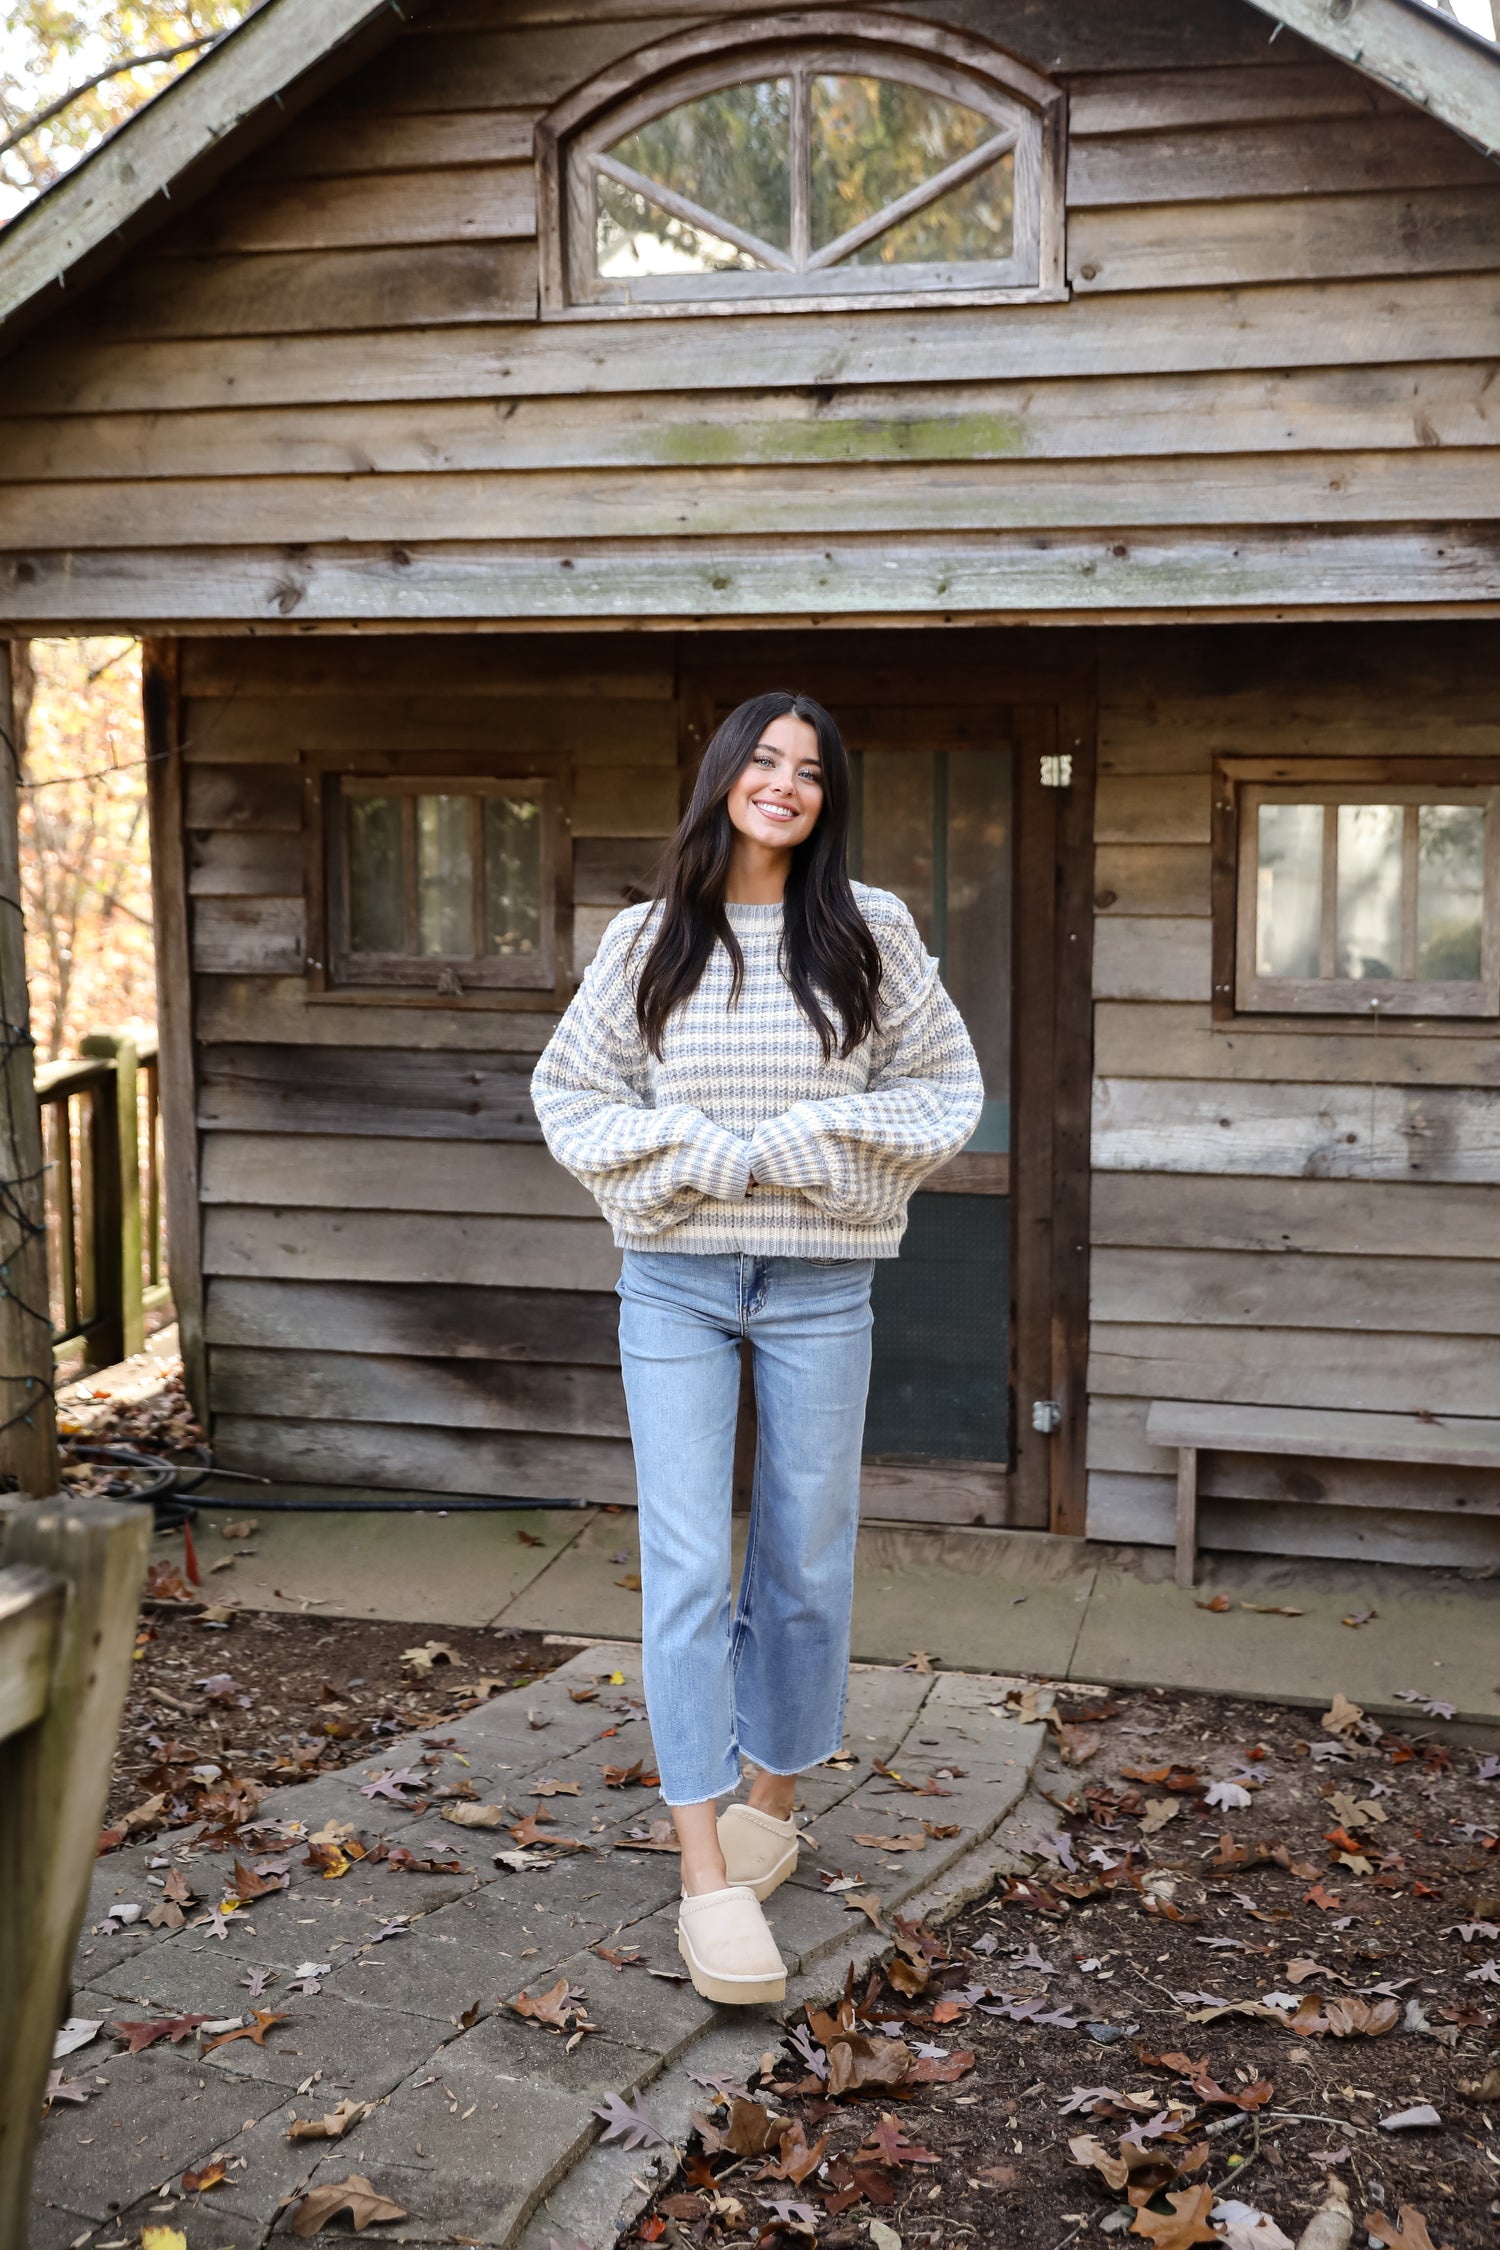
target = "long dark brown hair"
x: 828, y: 954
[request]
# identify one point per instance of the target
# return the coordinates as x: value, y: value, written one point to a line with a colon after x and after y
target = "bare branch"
x: 30, y: 125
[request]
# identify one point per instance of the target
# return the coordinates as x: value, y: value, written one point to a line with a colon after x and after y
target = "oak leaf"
x: 355, y: 2195
x: 142, y: 2035
x: 1409, y: 2232
x: 1187, y: 2225
x: 255, y: 2032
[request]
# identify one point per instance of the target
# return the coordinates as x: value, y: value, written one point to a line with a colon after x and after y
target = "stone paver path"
x: 478, y: 2114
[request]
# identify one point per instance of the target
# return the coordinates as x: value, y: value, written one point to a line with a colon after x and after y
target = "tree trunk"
x: 28, y: 1419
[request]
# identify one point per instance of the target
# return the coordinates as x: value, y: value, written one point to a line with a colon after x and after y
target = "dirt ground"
x: 1119, y: 1987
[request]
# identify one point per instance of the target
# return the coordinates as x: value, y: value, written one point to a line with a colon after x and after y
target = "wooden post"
x: 118, y: 1244
x: 28, y: 1418
x: 174, y: 1010
x: 54, y: 1779
x: 1187, y: 1514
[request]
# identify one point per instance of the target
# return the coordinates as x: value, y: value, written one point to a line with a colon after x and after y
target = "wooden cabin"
x: 1096, y: 406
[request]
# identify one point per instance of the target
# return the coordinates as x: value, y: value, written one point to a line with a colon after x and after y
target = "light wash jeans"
x: 771, y: 1683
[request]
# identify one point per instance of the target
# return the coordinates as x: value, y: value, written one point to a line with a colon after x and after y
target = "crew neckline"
x: 754, y: 914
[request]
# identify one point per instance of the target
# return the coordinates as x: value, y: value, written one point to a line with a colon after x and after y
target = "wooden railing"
x: 106, y: 1241
x: 70, y: 1579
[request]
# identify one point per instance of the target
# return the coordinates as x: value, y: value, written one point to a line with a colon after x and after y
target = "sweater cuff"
x: 717, y: 1163
x: 786, y: 1152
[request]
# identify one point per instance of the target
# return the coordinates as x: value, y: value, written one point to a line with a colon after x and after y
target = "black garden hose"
x: 167, y: 1485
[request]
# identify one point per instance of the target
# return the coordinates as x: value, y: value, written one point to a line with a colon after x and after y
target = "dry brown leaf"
x: 474, y: 1816
x: 794, y: 2158
x: 916, y: 1842
x: 560, y: 2007
x: 255, y: 2032
x: 549, y: 1788
x: 1075, y: 1744
x: 354, y: 2195
x: 1218, y: 1603
x: 1408, y: 2233
x: 242, y: 1528
x: 1272, y: 1609
x: 856, y: 2060
x: 209, y: 2176
x: 431, y: 1652
x: 868, y: 1904
x: 1159, y: 1810
x: 917, y: 1660
x: 331, y: 2126
x: 1342, y: 1716
x: 1187, y: 2225
x: 751, y: 2129
x: 1085, y: 2149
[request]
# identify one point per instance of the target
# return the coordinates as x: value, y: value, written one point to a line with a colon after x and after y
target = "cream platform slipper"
x: 759, y: 1851
x: 731, y: 1956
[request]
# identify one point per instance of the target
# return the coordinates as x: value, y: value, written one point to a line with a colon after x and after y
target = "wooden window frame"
x: 575, y: 134
x: 483, y: 981
x: 1240, y: 997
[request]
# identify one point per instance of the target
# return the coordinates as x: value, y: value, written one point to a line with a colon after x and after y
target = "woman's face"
x: 778, y: 794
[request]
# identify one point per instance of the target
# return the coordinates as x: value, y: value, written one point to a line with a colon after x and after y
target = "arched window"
x: 803, y: 161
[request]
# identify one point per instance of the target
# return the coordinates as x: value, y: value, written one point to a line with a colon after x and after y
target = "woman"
x: 757, y: 1070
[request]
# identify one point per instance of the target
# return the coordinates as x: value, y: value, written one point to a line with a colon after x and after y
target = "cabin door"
x: 967, y: 807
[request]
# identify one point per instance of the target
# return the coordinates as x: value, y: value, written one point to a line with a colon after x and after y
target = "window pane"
x: 636, y: 238
x: 376, y: 912
x: 729, y: 152
x: 1369, y: 908
x: 974, y: 221
x: 976, y: 962
x: 512, y: 875
x: 445, y: 877
x: 873, y: 140
x: 1450, y: 890
x: 896, y: 817
x: 1289, y: 890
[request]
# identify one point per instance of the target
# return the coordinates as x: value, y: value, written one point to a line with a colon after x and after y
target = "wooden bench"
x: 1194, y: 1428
x: 69, y: 1591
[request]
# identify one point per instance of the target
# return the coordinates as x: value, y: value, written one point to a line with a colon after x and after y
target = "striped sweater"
x: 836, y: 1148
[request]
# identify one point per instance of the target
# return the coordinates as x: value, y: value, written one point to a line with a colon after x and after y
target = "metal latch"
x: 1046, y: 1416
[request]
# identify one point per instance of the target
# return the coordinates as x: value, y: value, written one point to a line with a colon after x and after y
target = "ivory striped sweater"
x: 836, y: 1148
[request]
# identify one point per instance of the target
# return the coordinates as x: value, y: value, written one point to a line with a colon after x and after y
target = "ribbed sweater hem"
x: 774, y: 1237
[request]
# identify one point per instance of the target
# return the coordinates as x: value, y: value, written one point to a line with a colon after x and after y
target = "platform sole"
x: 763, y: 1885
x: 730, y: 1992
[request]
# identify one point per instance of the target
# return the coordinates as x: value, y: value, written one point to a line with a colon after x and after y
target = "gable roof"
x: 285, y: 53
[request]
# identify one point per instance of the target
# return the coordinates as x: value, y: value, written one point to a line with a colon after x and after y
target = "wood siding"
x: 1291, y: 1215
x: 324, y: 394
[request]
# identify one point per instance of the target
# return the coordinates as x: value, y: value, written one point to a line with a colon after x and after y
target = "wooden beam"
x: 28, y: 1418
x: 1434, y: 63
x: 174, y: 1007
x: 269, y: 67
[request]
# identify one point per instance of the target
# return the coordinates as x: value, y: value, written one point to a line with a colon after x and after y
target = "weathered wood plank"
x: 1118, y: 1443
x: 376, y: 1092
x: 1204, y: 245
x: 1387, y: 1218
x: 457, y: 1394
x: 518, y: 67
x: 325, y: 144
x: 280, y: 1011
x: 1272, y: 158
x: 417, y: 354
x: 327, y: 294
x: 302, y: 1245
x: 276, y: 729
x: 546, y: 505
x: 1241, y: 1288
x: 1151, y: 879
x: 1152, y: 809
x: 1295, y: 1367
x: 589, y: 926
x: 249, y: 936
x: 392, y: 1458
x: 950, y: 1492
x: 373, y: 1174
x: 1228, y: 1426
x: 240, y: 797
x: 227, y: 864
x: 1141, y: 1510
x: 30, y: 1615
x: 1143, y: 1040
x: 1152, y: 958
x: 1118, y: 101
x: 1004, y: 577
x: 620, y: 801
x: 423, y: 1320
x: 601, y: 668
x: 614, y: 871
x: 1404, y: 407
x: 470, y: 203
x: 1326, y: 1131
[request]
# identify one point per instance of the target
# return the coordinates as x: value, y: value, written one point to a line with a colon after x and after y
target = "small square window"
x: 437, y: 881
x: 1361, y: 897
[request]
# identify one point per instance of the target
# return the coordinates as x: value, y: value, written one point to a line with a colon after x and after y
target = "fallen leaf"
x: 1404, y: 2120
x: 917, y: 1660
x: 751, y: 2130
x: 431, y: 1652
x: 255, y: 2032
x: 1327, y: 1901
x: 561, y: 2007
x: 943, y: 2070
x: 1359, y: 1617
x: 139, y: 2036
x: 621, y: 1777
x: 1216, y: 1602
x: 1187, y: 2225
x: 855, y: 2060
x: 474, y: 1816
x: 1272, y: 1609
x: 1085, y: 2148
x: 1408, y: 2233
x: 1159, y: 1810
x: 331, y: 2126
x: 1342, y: 1716
x: 163, y: 2238
x: 583, y: 1695
x: 354, y: 2195
x: 888, y: 2145
x: 549, y: 1788
x: 211, y: 2176
x: 631, y: 1581
x: 630, y: 2123
x: 868, y: 1904
x: 530, y: 1539
x: 999, y: 2175
x: 915, y: 1842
